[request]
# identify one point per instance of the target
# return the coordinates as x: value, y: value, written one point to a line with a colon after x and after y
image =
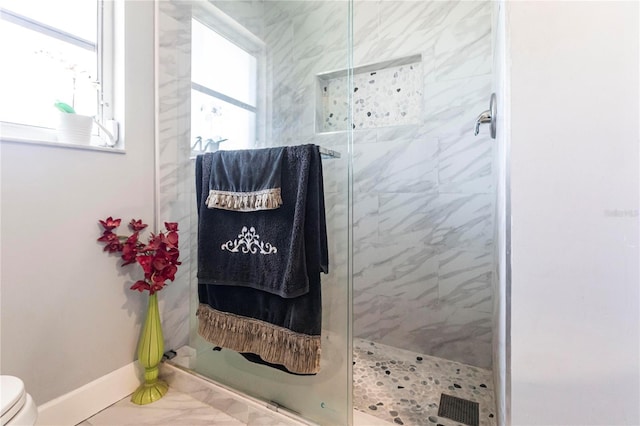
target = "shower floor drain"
x: 459, y: 410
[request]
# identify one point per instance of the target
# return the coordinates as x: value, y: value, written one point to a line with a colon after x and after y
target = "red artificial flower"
x: 155, y: 241
x: 169, y: 254
x: 110, y: 223
x: 158, y: 279
x: 130, y: 249
x: 159, y: 263
x: 170, y: 272
x: 172, y: 238
x: 108, y: 237
x: 137, y: 225
x: 172, y: 256
x: 158, y: 258
x: 145, y: 262
x: 154, y: 288
x: 113, y: 246
x: 141, y: 286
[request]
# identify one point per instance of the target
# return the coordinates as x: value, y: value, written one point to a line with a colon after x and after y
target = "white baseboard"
x: 80, y: 404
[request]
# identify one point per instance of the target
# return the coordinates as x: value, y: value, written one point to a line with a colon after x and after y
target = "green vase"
x: 150, y: 350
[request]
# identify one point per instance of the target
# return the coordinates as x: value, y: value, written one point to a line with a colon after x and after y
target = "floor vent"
x: 459, y: 410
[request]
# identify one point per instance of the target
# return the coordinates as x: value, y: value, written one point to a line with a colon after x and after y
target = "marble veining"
x: 464, y: 49
x: 175, y: 178
x: 466, y: 166
x: 403, y: 165
x: 248, y: 13
x: 191, y: 401
x: 175, y: 408
x: 319, y: 30
x: 423, y: 191
x: 243, y: 410
x: 465, y: 279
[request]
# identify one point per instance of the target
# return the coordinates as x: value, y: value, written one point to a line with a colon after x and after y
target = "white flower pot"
x: 75, y: 128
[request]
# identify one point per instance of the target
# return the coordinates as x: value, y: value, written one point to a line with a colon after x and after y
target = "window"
x: 224, y: 87
x: 56, y: 53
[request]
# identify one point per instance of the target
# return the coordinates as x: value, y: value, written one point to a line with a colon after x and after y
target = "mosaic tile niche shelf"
x: 384, y: 94
x: 404, y: 387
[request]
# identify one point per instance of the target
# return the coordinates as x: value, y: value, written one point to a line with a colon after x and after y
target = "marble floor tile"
x: 175, y: 408
x: 247, y: 411
x: 404, y: 387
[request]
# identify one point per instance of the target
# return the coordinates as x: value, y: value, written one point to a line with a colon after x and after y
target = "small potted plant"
x: 77, y: 85
x: 76, y: 128
x: 72, y: 127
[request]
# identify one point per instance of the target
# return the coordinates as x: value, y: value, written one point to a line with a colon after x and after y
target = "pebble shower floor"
x: 404, y: 387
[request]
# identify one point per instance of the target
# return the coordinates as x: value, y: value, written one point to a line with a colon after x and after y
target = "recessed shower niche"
x: 384, y: 94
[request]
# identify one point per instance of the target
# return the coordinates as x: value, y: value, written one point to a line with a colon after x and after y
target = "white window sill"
x: 31, y: 135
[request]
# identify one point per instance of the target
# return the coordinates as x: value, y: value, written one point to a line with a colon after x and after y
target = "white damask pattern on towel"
x: 248, y: 241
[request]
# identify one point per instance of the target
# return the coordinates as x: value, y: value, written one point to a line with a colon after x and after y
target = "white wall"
x: 574, y: 167
x: 67, y: 314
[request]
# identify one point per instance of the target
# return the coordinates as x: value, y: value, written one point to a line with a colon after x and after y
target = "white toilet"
x: 18, y: 408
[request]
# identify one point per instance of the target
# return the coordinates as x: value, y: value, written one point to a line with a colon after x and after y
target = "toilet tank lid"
x: 12, y: 391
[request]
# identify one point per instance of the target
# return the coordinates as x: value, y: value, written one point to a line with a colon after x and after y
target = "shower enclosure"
x: 236, y: 75
x: 424, y: 202
x: 391, y: 90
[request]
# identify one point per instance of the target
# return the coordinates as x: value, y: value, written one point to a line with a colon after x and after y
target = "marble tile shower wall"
x: 304, y: 38
x: 424, y: 194
x: 175, y: 175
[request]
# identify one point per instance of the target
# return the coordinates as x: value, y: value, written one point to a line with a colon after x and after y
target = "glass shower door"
x: 251, y: 75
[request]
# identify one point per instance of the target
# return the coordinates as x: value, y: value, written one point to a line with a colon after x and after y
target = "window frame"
x: 219, y: 22
x: 104, y: 49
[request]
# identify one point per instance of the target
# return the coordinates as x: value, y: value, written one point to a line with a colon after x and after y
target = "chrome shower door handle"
x: 483, y: 118
x: 488, y: 116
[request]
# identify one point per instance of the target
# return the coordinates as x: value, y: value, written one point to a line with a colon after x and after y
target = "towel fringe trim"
x: 299, y: 353
x: 266, y: 199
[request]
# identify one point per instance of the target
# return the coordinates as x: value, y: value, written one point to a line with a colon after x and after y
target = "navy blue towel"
x: 259, y: 271
x: 245, y: 180
x: 269, y: 250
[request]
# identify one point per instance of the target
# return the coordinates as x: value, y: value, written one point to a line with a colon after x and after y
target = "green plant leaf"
x: 64, y: 107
